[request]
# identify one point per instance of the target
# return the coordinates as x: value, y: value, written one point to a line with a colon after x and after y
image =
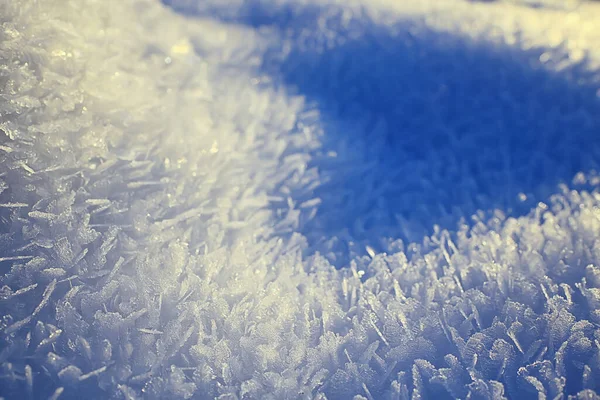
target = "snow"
x: 299, y: 199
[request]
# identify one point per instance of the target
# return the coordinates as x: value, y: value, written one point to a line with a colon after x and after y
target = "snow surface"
x: 299, y: 199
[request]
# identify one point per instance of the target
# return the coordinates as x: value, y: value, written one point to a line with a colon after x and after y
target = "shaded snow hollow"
x: 299, y: 199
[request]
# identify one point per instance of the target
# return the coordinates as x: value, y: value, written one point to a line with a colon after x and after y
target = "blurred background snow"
x: 299, y: 199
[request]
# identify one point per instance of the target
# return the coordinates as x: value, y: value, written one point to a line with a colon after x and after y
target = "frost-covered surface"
x: 218, y: 199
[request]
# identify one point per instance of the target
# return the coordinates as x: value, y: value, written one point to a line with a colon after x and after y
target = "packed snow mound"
x: 299, y: 199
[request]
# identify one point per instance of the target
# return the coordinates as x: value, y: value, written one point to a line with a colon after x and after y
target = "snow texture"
x: 299, y: 199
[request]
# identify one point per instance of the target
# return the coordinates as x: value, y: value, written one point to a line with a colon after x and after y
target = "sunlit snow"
x: 299, y: 199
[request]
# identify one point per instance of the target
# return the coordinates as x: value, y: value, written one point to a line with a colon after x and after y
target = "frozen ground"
x: 299, y: 199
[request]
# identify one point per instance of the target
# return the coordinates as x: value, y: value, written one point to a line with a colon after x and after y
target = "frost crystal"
x: 299, y: 199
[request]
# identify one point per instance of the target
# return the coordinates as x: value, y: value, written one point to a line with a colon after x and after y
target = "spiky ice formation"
x: 177, y: 192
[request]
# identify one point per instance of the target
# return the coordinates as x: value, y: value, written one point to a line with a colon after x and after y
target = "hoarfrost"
x: 176, y: 194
